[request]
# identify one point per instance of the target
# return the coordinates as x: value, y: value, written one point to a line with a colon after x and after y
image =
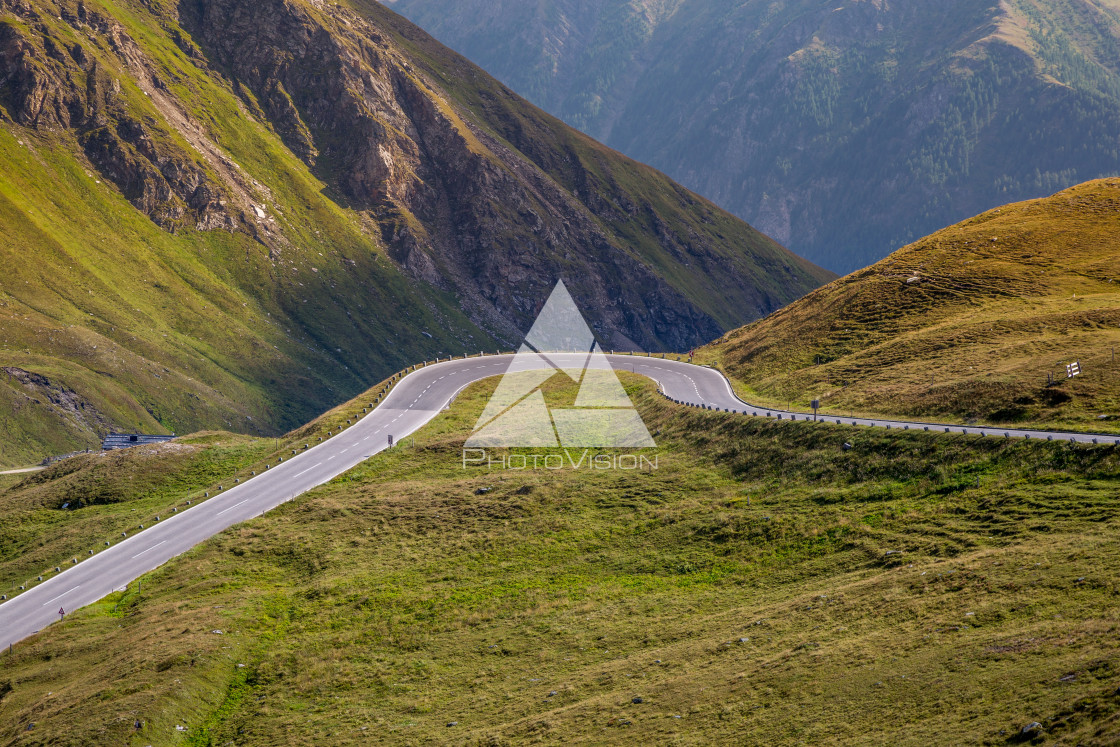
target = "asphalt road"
x: 414, y: 401
x: 706, y: 387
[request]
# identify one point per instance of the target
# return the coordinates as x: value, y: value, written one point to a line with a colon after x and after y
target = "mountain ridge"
x: 845, y: 130
x: 223, y: 214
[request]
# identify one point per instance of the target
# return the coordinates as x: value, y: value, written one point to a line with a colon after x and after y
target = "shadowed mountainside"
x: 844, y: 129
x: 234, y: 214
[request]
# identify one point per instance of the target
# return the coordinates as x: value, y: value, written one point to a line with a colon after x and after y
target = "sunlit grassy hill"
x: 975, y: 322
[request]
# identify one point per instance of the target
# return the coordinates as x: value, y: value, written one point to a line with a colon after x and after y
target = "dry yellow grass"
x: 965, y: 324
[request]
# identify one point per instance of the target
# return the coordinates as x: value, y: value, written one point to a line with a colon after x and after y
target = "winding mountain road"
x: 414, y: 401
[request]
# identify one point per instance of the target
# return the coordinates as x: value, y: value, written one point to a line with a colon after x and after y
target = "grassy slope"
x: 173, y: 332
x: 762, y: 586
x: 107, y: 494
x: 1004, y: 299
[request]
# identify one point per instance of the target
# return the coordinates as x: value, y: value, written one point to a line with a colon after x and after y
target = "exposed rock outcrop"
x: 48, y: 85
x: 495, y: 217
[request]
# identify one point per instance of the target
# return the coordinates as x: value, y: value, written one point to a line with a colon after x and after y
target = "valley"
x: 471, y: 429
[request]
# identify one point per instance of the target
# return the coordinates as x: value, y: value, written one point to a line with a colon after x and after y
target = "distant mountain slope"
x: 967, y: 323
x: 224, y: 213
x: 842, y: 128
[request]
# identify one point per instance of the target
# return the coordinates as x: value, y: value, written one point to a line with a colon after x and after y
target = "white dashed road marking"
x: 151, y: 548
x: 224, y: 510
x: 60, y: 596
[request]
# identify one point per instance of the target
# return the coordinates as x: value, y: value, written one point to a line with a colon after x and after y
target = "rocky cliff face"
x: 842, y: 129
x: 456, y: 205
x: 460, y: 202
x: 51, y: 85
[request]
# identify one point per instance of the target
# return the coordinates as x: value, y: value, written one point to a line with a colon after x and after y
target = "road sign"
x: 390, y: 440
x: 816, y: 406
x: 61, y: 613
